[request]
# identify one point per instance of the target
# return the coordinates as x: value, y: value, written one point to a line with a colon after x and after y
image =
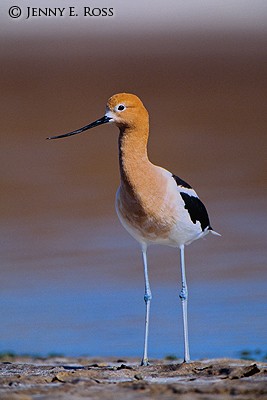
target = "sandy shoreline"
x: 78, y: 378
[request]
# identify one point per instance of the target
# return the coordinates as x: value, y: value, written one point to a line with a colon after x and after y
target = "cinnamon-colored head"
x: 126, y: 111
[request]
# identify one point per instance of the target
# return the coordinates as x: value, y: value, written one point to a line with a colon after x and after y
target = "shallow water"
x: 71, y: 277
x: 73, y: 318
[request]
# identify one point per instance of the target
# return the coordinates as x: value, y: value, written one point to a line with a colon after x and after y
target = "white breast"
x: 151, y: 230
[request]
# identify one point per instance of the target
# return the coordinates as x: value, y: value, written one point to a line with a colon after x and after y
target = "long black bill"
x: 100, y: 121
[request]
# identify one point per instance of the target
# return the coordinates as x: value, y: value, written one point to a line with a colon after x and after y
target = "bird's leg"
x: 184, y: 297
x: 147, y: 298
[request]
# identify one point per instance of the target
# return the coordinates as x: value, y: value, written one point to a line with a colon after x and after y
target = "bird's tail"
x: 214, y: 232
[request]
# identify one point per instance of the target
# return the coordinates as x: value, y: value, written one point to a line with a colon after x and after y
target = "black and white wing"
x: 196, y: 209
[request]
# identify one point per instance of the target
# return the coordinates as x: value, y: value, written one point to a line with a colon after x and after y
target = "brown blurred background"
x: 200, y: 70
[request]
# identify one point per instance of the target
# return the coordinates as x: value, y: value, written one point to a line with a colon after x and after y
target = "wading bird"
x: 153, y: 205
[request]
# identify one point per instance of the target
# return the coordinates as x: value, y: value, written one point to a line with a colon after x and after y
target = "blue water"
x: 224, y: 319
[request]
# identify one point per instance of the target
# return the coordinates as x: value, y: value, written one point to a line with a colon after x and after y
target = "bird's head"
x: 125, y: 110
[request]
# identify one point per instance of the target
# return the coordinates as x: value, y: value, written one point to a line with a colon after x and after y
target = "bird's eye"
x: 121, y: 107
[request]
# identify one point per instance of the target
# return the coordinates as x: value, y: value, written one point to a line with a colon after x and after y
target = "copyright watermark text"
x: 37, y: 12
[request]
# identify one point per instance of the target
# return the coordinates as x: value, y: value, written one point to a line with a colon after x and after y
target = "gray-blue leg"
x: 184, y: 298
x: 147, y: 298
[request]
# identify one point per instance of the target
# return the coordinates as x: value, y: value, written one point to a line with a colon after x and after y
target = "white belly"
x: 175, y: 230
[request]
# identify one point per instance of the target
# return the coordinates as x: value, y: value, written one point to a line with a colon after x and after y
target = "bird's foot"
x: 186, y: 361
x: 144, y: 362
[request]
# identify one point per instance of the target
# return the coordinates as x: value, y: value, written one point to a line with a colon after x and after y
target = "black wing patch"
x: 197, y: 210
x: 180, y: 182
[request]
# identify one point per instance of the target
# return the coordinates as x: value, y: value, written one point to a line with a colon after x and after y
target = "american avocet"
x: 153, y: 205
